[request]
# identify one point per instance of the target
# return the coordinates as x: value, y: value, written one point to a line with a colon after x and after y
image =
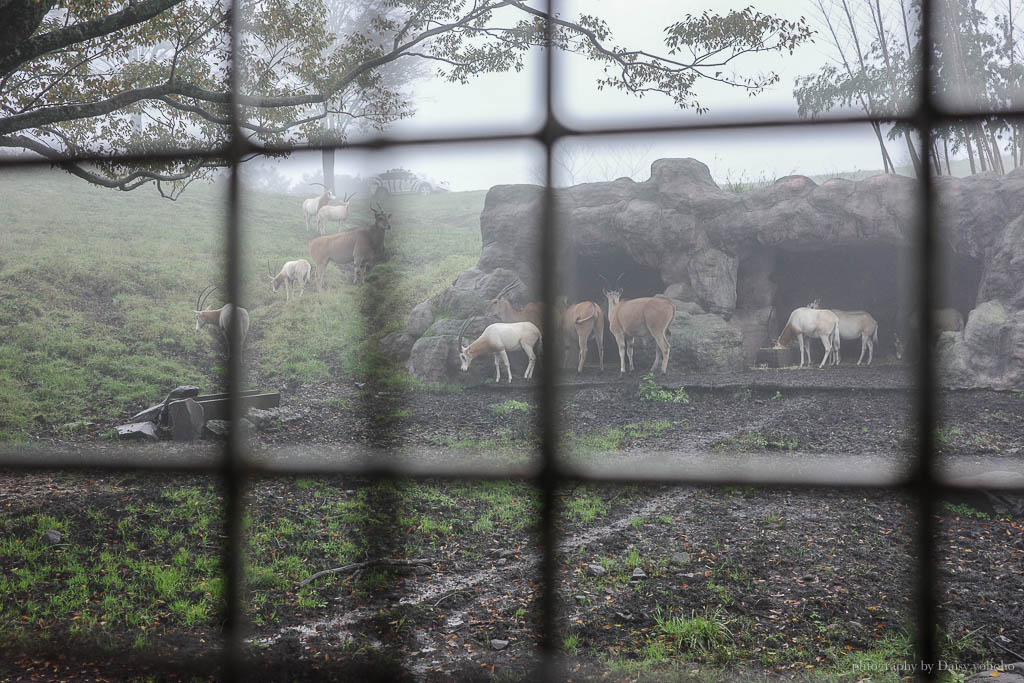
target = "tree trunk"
x: 886, y: 160
x: 945, y: 150
x: 328, y: 167
x: 970, y: 150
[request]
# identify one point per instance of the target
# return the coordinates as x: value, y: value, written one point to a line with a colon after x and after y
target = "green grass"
x: 650, y: 390
x: 95, y: 310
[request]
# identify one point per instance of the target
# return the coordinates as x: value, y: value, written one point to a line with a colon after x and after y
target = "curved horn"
x: 462, y: 330
x: 200, y: 300
x: 378, y: 208
x: 204, y: 296
x: 320, y: 184
x: 270, y: 271
x: 506, y: 289
x: 347, y: 198
x: 606, y: 285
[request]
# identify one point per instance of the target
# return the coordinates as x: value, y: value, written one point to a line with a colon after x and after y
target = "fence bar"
x: 548, y: 479
x: 234, y: 458
x: 923, y: 474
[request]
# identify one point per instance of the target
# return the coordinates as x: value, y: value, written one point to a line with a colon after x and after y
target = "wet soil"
x: 794, y: 578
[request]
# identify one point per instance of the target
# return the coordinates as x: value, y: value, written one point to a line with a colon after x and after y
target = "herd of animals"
x: 630, y: 319
x: 362, y: 247
x: 520, y: 328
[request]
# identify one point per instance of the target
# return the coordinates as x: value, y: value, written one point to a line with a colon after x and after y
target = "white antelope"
x: 313, y: 204
x: 222, y: 318
x: 583, y: 320
x: 297, y: 272
x: 336, y: 213
x: 499, y: 339
x: 854, y: 325
x: 632, y: 318
x: 502, y: 307
x: 813, y: 322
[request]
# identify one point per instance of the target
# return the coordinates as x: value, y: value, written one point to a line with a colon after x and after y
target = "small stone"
x: 580, y: 598
x: 52, y: 537
x: 595, y: 570
x: 499, y: 644
x: 138, y: 430
x: 587, y: 415
x: 501, y: 561
x: 680, y: 558
x: 638, y: 574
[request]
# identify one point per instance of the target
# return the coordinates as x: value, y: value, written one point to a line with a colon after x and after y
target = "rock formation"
x: 736, y: 264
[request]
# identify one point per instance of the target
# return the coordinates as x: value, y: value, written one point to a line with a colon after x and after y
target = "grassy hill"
x: 97, y: 290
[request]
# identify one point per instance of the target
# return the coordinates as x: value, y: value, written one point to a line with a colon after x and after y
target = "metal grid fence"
x: 924, y: 483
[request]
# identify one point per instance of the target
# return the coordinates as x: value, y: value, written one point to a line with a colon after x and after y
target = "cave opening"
x: 878, y: 279
x: 580, y: 280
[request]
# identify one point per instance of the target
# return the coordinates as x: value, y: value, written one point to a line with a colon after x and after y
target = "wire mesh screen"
x: 236, y: 467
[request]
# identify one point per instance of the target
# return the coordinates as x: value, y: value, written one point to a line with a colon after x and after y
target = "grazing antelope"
x: 854, y: 325
x: 943, y: 320
x: 313, y: 204
x: 502, y: 307
x: 332, y: 212
x: 582, y: 320
x: 221, y: 317
x: 817, y: 322
x: 360, y: 247
x: 499, y: 339
x: 647, y: 316
x: 292, y: 271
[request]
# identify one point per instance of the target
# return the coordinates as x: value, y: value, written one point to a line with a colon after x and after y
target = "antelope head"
x: 815, y: 304
x: 273, y: 279
x: 501, y: 299
x: 464, y: 358
x: 381, y: 220
x: 200, y: 303
x: 613, y: 294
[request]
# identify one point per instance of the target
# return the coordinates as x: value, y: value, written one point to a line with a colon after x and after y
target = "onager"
x: 222, y: 318
x: 332, y: 212
x: 632, y: 318
x: 853, y: 325
x: 499, y: 339
x: 813, y: 322
x: 583, y: 320
x: 291, y: 272
x: 313, y: 204
x: 502, y: 307
x: 359, y: 247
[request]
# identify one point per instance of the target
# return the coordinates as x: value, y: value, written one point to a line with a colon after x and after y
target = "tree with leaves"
x: 140, y: 77
x: 877, y: 60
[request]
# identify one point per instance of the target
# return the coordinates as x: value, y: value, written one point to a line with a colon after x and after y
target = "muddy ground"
x: 791, y: 581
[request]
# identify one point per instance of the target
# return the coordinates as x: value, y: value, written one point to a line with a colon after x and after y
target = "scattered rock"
x: 1007, y: 673
x: 595, y: 570
x: 138, y: 431
x: 499, y: 644
x: 187, y: 420
x: 638, y: 574
x: 52, y: 537
x: 221, y: 428
x: 680, y: 558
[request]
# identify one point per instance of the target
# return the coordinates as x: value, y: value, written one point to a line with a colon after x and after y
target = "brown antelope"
x: 292, y: 271
x: 221, y: 317
x: 854, y: 325
x: 943, y: 320
x: 817, y: 322
x: 501, y: 306
x: 313, y: 204
x: 359, y: 247
x: 332, y: 212
x: 632, y: 318
x: 499, y: 339
x: 582, y: 320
